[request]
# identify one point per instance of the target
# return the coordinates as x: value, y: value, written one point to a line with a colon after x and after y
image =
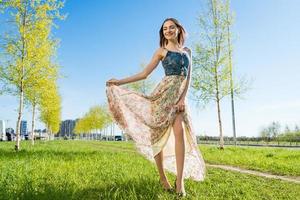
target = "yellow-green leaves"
x: 96, y: 118
x: 28, y: 68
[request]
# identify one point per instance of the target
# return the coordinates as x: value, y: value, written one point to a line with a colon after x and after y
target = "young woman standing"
x: 159, y: 123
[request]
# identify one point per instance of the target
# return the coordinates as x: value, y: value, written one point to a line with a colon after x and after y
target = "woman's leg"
x: 179, y: 151
x: 159, y: 163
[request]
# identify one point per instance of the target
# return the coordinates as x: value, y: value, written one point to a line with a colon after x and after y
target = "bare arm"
x: 148, y: 69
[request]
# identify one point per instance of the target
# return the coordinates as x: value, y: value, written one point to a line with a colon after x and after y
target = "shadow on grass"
x: 24, y: 153
x: 44, y: 153
x: 91, y: 149
x: 131, y: 189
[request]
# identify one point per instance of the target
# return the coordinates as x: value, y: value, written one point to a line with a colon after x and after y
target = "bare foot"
x: 165, y: 183
x: 179, y: 187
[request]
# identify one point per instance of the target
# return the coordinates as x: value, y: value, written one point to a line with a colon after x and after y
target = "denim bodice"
x: 176, y: 63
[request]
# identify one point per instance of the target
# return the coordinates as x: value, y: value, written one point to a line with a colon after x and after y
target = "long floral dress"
x: 148, y: 119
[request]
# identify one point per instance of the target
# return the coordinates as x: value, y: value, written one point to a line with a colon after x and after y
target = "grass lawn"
x: 280, y: 161
x: 113, y: 170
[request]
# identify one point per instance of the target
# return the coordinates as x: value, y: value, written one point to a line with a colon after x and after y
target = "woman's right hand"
x: 112, y: 82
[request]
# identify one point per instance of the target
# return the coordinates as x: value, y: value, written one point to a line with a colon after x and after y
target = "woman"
x: 160, y: 123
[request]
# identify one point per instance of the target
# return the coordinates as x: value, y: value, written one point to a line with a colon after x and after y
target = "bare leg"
x: 179, y: 151
x: 159, y: 163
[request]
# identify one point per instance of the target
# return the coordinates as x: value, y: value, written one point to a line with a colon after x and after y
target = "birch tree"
x: 211, y: 68
x: 21, y: 61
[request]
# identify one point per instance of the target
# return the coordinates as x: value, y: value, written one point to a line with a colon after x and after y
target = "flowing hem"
x: 125, y: 105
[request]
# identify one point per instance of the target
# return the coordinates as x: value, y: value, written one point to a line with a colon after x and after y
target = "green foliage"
x: 142, y: 86
x: 211, y: 68
x: 290, y: 135
x: 28, y: 47
x: 273, y: 132
x: 28, y: 68
x: 50, y: 107
x: 96, y: 118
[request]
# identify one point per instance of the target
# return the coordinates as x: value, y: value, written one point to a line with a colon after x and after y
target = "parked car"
x: 112, y: 138
x: 118, y: 138
x: 26, y: 137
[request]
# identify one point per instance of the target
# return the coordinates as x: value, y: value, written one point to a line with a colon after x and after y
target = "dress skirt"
x: 148, y: 120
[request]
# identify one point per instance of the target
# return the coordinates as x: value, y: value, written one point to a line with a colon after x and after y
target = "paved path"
x: 257, y: 173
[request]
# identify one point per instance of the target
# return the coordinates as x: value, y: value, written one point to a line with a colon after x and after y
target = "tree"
x: 229, y: 22
x: 211, y: 68
x: 97, y: 118
x: 21, y: 63
x: 287, y: 129
x: 142, y: 86
x: 50, y: 108
x: 271, y: 131
x: 44, y: 68
x: 297, y: 130
x: 274, y: 129
x: 264, y: 133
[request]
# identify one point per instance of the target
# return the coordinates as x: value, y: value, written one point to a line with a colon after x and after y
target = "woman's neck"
x: 173, y: 44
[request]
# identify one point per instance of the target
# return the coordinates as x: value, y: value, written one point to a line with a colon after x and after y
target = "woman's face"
x: 170, y: 30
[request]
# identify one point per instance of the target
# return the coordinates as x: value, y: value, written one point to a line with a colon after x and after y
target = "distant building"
x: 23, y: 128
x: 44, y: 131
x: 39, y: 134
x: 67, y: 128
x: 2, y: 130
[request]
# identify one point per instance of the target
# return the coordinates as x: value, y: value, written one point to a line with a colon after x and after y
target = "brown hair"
x: 180, y: 38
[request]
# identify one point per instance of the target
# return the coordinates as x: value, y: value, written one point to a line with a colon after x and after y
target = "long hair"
x: 180, y: 38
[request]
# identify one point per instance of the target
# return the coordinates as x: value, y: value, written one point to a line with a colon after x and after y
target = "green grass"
x: 227, y: 142
x: 280, y: 161
x: 113, y: 170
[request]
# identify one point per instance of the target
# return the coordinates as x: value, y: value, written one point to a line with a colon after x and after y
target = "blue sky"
x: 105, y: 39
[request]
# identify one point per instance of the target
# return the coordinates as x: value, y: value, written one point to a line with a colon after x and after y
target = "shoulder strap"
x: 187, y: 50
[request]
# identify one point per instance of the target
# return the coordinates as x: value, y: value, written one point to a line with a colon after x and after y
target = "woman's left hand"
x: 180, y: 106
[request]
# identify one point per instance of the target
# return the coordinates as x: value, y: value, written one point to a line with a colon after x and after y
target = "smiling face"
x: 170, y: 30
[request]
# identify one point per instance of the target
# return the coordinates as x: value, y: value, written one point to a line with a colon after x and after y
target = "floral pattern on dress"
x: 145, y: 118
x: 148, y: 119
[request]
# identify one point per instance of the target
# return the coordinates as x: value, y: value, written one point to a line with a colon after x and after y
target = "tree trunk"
x: 232, y: 110
x: 50, y: 134
x: 220, y: 125
x: 106, y: 134
x: 21, y: 94
x: 217, y: 57
x: 18, y: 129
x: 231, y: 79
x: 33, y: 123
x: 219, y: 109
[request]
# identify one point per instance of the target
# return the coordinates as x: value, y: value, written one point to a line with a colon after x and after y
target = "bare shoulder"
x: 160, y: 53
x: 187, y: 49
